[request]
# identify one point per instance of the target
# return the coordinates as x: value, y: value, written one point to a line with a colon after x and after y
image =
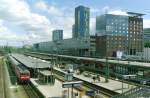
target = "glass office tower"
x: 82, y: 18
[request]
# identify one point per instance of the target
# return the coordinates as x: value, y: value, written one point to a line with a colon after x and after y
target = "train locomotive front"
x: 22, y: 73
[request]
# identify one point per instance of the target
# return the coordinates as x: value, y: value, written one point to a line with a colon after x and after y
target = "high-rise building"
x: 135, y: 33
x: 57, y: 35
x: 119, y: 33
x: 82, y: 18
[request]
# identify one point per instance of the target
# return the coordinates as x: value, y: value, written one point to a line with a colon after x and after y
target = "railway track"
x: 29, y: 90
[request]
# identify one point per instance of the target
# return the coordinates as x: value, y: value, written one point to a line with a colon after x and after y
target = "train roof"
x: 31, y: 62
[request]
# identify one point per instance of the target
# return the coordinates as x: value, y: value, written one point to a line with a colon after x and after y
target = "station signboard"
x: 72, y: 84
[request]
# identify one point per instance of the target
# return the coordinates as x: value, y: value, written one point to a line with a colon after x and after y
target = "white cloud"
x: 35, y: 27
x: 105, y: 9
x: 64, y: 23
x: 92, y: 25
x: 58, y: 18
x: 18, y: 13
x: 117, y: 12
x: 94, y: 10
x: 50, y: 9
x: 5, y: 34
x: 113, y: 10
x: 146, y: 23
x: 41, y: 5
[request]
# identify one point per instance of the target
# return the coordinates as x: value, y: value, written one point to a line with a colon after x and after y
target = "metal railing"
x: 138, y: 92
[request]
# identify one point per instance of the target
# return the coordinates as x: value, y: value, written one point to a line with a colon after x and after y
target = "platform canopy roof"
x: 31, y: 62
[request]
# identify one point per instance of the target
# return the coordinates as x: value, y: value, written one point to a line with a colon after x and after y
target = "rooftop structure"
x: 135, y: 14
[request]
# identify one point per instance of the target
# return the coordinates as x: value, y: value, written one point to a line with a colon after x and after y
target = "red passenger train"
x: 21, y: 72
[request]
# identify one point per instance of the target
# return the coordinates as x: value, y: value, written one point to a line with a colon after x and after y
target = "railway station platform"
x: 112, y: 85
x: 50, y: 90
x: 56, y: 90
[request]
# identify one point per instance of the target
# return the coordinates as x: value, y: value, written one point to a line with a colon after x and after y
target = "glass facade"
x: 114, y: 28
x: 82, y: 19
x: 121, y: 33
x: 147, y: 35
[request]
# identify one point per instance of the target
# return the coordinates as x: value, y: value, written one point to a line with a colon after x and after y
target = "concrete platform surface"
x: 56, y: 90
x: 113, y: 85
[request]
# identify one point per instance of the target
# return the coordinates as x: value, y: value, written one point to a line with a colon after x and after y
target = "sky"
x: 31, y: 21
